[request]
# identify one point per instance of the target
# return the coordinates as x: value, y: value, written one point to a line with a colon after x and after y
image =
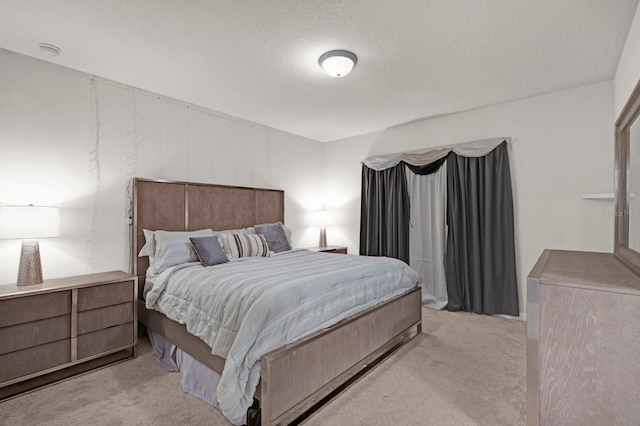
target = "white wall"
x: 74, y: 141
x: 562, y: 148
x: 628, y: 72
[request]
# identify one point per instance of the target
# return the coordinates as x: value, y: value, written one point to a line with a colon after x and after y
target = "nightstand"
x: 65, y: 326
x: 329, y: 249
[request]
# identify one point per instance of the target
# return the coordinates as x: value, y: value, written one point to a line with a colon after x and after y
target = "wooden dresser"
x: 65, y: 326
x: 583, y: 341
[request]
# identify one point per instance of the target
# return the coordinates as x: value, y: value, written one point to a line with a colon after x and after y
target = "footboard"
x: 296, y: 376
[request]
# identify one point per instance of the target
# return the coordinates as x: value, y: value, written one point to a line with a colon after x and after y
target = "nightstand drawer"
x: 336, y: 250
x: 329, y: 249
x: 105, y: 295
x: 98, y: 319
x: 21, y: 336
x: 33, y: 308
x: 105, y: 340
x: 32, y: 360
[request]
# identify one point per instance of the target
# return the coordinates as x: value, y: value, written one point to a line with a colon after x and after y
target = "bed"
x: 297, y: 375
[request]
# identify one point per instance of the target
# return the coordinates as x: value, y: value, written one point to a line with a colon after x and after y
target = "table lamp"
x: 29, y: 223
x: 323, y: 219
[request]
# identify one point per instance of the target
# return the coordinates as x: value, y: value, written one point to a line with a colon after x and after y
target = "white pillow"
x: 287, y: 232
x: 249, y: 230
x: 174, y: 248
x: 149, y: 247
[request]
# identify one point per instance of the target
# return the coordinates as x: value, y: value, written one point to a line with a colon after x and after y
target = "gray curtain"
x: 384, y: 214
x: 480, y: 262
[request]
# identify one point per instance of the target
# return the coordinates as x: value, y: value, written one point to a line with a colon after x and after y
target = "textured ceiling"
x: 258, y: 59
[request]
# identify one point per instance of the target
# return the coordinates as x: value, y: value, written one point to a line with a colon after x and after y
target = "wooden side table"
x: 329, y: 249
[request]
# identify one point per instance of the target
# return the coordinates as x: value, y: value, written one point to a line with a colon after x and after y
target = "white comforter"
x: 248, y: 307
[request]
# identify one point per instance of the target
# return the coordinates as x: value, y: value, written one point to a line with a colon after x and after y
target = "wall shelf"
x: 603, y: 196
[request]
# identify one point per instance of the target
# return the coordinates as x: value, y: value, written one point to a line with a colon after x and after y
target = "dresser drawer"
x: 32, y: 308
x: 97, y: 319
x: 35, y: 359
x: 105, y: 295
x: 105, y: 340
x: 22, y: 336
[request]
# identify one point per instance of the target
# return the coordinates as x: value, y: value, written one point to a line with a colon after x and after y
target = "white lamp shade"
x: 27, y: 222
x: 338, y: 63
x: 323, y: 218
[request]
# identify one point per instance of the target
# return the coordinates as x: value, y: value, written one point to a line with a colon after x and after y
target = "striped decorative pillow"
x: 243, y: 245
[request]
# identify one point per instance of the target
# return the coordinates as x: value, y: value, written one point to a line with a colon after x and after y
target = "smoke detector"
x: 49, y: 49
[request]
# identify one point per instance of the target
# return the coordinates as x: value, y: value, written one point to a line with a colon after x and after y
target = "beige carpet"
x: 465, y: 369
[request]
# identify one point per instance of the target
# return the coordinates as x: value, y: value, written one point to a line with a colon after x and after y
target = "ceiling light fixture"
x: 338, y: 63
x: 49, y: 49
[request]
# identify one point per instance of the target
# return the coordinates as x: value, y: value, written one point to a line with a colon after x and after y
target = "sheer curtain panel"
x: 427, y: 233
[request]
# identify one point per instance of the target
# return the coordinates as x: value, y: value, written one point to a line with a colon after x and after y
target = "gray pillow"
x: 275, y: 235
x: 209, y: 250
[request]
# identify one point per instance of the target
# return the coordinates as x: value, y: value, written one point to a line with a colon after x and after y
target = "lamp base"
x: 323, y: 237
x: 30, y: 271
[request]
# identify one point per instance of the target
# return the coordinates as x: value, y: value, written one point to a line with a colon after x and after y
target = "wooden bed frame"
x: 298, y: 375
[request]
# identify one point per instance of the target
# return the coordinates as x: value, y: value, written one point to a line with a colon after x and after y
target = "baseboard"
x: 521, y: 317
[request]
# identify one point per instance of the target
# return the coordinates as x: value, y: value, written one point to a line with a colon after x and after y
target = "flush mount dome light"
x: 338, y: 63
x: 49, y: 49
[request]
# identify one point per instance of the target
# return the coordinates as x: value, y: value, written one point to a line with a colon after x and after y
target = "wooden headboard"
x: 188, y: 206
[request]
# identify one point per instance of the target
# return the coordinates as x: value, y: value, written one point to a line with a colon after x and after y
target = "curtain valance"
x: 422, y: 158
x: 448, y: 212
